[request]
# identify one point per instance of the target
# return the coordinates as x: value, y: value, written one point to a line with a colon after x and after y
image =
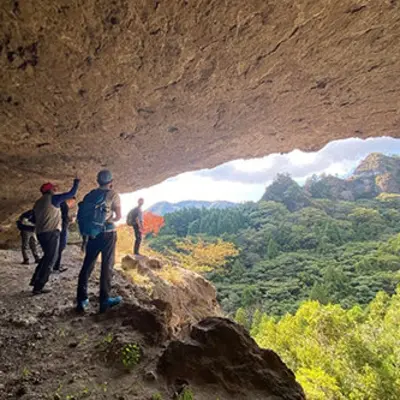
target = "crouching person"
x: 97, y: 214
x: 26, y: 226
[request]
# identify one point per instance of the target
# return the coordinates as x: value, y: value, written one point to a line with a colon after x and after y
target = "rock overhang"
x: 155, y: 88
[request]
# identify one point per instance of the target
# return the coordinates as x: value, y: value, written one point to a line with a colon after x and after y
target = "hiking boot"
x: 41, y: 291
x: 110, y: 302
x: 82, y: 305
x: 60, y: 270
x: 25, y: 262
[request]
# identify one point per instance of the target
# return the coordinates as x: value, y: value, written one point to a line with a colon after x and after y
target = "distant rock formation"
x: 381, y: 170
x: 164, y: 207
x: 378, y: 164
x: 285, y: 190
x: 376, y: 174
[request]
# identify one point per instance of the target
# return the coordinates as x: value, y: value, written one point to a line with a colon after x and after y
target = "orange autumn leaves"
x: 152, y: 223
x: 194, y: 254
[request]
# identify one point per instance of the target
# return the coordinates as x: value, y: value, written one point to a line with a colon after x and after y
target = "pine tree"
x: 320, y: 293
x: 272, y: 250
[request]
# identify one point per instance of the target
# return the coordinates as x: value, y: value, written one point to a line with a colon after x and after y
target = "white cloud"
x: 245, y: 180
x: 300, y: 164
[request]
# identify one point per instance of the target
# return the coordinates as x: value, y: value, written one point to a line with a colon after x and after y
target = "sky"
x: 245, y: 180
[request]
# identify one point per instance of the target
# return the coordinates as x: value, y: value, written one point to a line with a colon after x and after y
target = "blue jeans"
x: 63, y: 245
x: 104, y: 244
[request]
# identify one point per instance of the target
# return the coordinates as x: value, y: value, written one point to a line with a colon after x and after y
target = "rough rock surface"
x: 189, y: 296
x: 48, y: 351
x: 376, y: 174
x: 153, y: 88
x: 223, y: 353
x: 382, y: 170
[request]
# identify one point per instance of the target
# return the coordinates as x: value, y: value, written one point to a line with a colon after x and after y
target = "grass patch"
x: 131, y: 355
x: 170, y: 274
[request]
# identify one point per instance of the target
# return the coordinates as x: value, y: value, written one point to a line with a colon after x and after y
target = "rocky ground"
x: 48, y: 351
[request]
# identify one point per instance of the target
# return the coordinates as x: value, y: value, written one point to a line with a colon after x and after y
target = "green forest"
x: 331, y: 251
x: 314, y: 279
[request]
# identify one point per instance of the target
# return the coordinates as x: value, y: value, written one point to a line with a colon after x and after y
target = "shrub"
x: 131, y: 355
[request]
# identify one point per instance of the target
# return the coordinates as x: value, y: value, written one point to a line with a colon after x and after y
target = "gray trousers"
x: 29, y: 242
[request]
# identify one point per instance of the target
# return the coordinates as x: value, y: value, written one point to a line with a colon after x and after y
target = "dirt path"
x: 50, y: 352
x: 47, y: 351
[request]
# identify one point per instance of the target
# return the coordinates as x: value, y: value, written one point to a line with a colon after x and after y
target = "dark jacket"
x: 26, y: 221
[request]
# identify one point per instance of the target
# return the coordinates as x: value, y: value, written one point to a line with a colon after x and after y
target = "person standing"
x: 97, y: 214
x: 66, y: 219
x: 84, y: 243
x: 48, y: 221
x: 135, y: 219
x: 26, y: 226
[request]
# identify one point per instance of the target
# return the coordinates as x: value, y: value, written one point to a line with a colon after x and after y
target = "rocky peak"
x: 284, y: 189
x: 376, y: 174
x: 378, y: 164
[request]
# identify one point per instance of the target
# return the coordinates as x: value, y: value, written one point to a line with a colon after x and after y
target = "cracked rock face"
x: 152, y: 88
x: 222, y: 352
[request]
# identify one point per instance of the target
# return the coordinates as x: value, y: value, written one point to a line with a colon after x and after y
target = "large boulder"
x: 222, y: 352
x: 190, y: 296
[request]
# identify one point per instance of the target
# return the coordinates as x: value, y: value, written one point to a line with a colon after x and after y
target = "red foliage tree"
x: 152, y: 223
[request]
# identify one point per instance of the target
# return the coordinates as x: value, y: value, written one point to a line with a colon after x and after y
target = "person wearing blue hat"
x: 97, y: 215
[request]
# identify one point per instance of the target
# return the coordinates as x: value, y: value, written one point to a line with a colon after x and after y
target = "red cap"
x: 47, y: 187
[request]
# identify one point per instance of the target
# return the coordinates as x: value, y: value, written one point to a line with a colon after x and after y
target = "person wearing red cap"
x: 48, y: 222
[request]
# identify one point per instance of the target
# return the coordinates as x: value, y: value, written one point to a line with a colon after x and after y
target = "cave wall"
x: 152, y: 88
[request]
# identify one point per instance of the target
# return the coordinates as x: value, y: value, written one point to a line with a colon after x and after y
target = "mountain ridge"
x: 375, y: 174
x: 166, y: 207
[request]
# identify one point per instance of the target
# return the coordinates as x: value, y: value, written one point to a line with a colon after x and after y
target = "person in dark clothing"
x: 26, y: 226
x: 66, y: 219
x: 84, y: 243
x: 135, y: 219
x: 103, y: 243
x: 48, y: 227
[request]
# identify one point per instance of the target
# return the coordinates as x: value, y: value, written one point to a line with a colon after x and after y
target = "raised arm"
x: 57, y: 199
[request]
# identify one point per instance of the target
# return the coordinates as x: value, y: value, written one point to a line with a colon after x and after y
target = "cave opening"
x: 242, y: 180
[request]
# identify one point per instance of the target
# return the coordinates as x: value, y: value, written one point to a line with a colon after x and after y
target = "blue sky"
x: 244, y: 180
